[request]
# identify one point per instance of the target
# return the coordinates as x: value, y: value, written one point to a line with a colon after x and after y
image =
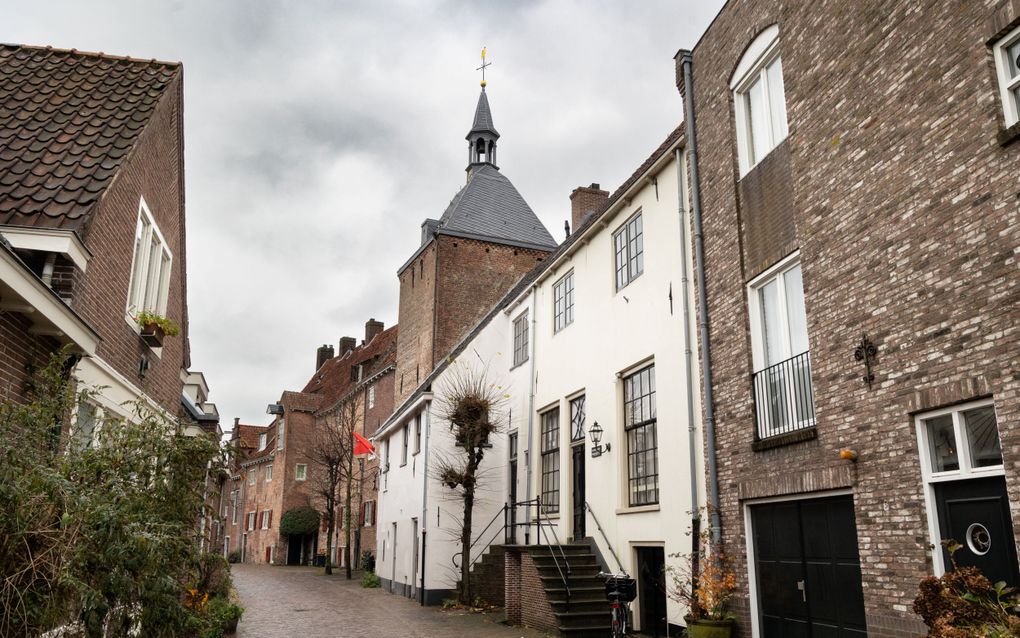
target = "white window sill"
x: 637, y: 509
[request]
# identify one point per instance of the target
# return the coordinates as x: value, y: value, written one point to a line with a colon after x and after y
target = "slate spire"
x: 482, y: 136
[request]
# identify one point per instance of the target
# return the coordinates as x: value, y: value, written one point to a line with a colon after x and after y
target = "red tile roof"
x: 333, y: 380
x: 68, y: 121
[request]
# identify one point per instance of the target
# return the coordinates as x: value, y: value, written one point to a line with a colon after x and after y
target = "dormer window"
x: 150, y: 268
x: 262, y: 442
x: 759, y: 100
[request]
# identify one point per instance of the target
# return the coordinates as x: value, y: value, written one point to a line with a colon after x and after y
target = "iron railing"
x: 784, y: 400
x: 604, y: 537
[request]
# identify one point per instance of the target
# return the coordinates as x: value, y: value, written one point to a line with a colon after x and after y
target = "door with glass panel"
x: 784, y: 397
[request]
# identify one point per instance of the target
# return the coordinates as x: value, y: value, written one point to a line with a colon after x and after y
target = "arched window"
x: 480, y: 155
x: 759, y: 99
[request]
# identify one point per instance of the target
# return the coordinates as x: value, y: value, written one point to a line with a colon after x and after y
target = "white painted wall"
x: 614, y: 332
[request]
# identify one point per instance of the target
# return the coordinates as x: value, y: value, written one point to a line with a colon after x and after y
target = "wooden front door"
x: 808, y: 569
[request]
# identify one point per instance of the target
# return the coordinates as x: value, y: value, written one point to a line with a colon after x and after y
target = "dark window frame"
x: 521, y: 339
x: 629, y: 250
x: 563, y: 302
x: 578, y: 413
x: 550, y: 447
x: 640, y: 421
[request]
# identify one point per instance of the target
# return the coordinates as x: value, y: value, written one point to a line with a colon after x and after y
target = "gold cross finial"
x: 482, y: 68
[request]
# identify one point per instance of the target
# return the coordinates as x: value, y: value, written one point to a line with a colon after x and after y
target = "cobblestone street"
x: 299, y: 602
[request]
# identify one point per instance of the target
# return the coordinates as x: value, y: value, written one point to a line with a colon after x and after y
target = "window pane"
x: 796, y: 316
x: 134, y: 295
x: 1013, y: 53
x: 152, y: 278
x: 942, y: 443
x: 164, y: 284
x: 772, y: 323
x: 983, y: 436
x: 777, y: 101
x: 758, y: 121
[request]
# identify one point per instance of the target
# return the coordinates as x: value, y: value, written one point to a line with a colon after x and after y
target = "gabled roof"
x: 68, y: 121
x: 489, y: 207
x: 333, y: 380
x: 483, y: 118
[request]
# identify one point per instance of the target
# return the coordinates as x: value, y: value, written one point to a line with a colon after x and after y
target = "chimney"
x: 347, y: 344
x: 584, y: 201
x: 322, y: 355
x: 372, y: 328
x: 236, y: 432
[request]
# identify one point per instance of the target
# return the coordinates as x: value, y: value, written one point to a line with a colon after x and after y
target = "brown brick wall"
x: 526, y: 601
x: 906, y: 217
x: 154, y: 171
x: 473, y: 276
x: 21, y: 353
x: 416, y: 320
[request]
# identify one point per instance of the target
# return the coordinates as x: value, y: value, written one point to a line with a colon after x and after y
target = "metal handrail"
x: 783, y: 397
x: 541, y: 531
x: 604, y: 537
x: 456, y: 556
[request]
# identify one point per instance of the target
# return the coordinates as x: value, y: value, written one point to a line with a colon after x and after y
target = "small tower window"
x: 480, y: 153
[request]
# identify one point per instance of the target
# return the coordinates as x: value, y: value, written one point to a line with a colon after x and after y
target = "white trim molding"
x: 51, y: 240
x: 1008, y: 73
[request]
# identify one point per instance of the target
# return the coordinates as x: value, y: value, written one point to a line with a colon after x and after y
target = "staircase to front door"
x: 579, y: 604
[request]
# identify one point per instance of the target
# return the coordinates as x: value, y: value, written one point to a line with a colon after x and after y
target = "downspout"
x: 427, y: 426
x: 681, y: 177
x: 699, y: 269
x: 531, y: 417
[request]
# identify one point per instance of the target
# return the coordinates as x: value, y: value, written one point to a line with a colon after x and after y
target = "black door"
x: 511, y: 532
x: 294, y: 549
x: 577, y: 465
x: 975, y: 513
x: 808, y: 569
x: 652, y: 590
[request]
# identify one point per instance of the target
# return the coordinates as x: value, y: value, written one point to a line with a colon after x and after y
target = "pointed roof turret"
x: 483, y: 118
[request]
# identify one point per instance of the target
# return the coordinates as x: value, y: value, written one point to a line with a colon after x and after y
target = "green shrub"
x: 222, y: 616
x: 234, y: 556
x: 370, y: 580
x: 368, y: 561
x: 299, y: 521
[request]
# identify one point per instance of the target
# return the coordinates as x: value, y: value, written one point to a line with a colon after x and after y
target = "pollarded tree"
x: 332, y: 459
x: 470, y: 404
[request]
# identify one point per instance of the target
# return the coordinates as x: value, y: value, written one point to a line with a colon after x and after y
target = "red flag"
x: 362, y: 445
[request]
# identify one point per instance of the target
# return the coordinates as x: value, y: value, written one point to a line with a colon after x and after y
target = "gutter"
x: 687, y: 59
x: 685, y: 291
x: 532, y: 382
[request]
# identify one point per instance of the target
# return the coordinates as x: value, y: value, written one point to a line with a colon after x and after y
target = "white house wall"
x: 616, y: 332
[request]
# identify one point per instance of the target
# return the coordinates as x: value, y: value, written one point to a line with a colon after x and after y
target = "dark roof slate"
x: 68, y: 120
x: 489, y: 206
x: 483, y: 118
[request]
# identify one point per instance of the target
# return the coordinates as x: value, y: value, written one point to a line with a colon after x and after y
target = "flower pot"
x: 152, y: 335
x: 709, y: 628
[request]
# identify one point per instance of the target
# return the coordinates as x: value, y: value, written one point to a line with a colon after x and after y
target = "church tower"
x: 484, y: 242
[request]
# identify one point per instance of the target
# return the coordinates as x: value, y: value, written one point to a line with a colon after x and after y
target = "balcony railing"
x: 783, y: 397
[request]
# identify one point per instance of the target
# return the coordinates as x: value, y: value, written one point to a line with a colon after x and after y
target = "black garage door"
x: 808, y: 569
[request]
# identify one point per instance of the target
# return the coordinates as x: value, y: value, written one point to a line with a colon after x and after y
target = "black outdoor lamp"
x: 596, y: 435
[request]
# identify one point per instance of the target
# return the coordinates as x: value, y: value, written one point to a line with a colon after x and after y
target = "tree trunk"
x: 330, y: 522
x: 361, y: 504
x: 347, y: 504
x: 465, y: 532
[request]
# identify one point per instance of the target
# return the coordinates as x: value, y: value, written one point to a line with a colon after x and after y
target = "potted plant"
x: 704, y: 582
x: 155, y: 328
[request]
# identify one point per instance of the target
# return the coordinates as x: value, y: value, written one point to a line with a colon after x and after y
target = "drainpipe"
x: 531, y: 417
x: 681, y: 177
x: 427, y: 426
x: 686, y: 60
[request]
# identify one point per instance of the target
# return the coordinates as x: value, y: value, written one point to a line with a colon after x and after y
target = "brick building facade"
x: 878, y: 201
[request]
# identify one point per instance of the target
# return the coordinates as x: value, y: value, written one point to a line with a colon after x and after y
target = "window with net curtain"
x: 759, y: 99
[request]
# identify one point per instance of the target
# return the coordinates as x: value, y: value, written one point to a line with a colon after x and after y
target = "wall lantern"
x: 595, y: 432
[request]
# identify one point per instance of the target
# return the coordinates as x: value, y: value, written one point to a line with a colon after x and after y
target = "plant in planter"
x: 963, y: 603
x: 704, y: 582
x: 155, y: 328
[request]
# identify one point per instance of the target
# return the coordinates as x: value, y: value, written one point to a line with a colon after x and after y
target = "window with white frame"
x: 368, y: 514
x: 251, y: 521
x: 233, y: 507
x: 300, y: 472
x: 385, y: 466
x: 405, y: 434
x: 759, y: 100
x: 962, y: 440
x: 629, y: 251
x: 783, y: 393
x: 417, y: 431
x: 269, y: 472
x: 85, y: 422
x: 280, y: 429
x: 265, y: 519
x: 563, y: 302
x: 251, y: 475
x: 1007, y: 67
x: 640, y: 427
x: 371, y: 396
x: 262, y: 441
x: 150, y: 267
x: 521, y: 339
x: 551, y: 461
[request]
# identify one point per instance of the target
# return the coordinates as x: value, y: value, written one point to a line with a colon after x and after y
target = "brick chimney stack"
x: 236, y: 432
x: 322, y: 355
x: 584, y: 201
x: 372, y: 328
x: 347, y: 344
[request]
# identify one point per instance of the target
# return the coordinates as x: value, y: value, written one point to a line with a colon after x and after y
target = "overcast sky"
x: 319, y: 135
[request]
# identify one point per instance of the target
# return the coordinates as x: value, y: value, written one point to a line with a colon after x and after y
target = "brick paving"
x: 287, y: 602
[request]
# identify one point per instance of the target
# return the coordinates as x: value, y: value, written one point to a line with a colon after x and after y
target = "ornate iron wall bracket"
x: 866, y: 352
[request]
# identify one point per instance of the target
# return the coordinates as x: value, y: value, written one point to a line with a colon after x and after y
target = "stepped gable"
x: 334, y: 380
x: 490, y: 207
x: 68, y: 122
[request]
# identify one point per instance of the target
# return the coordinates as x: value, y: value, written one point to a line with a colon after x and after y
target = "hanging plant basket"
x: 153, y: 334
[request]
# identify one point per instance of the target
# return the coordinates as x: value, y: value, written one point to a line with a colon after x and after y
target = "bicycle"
x: 621, y: 590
